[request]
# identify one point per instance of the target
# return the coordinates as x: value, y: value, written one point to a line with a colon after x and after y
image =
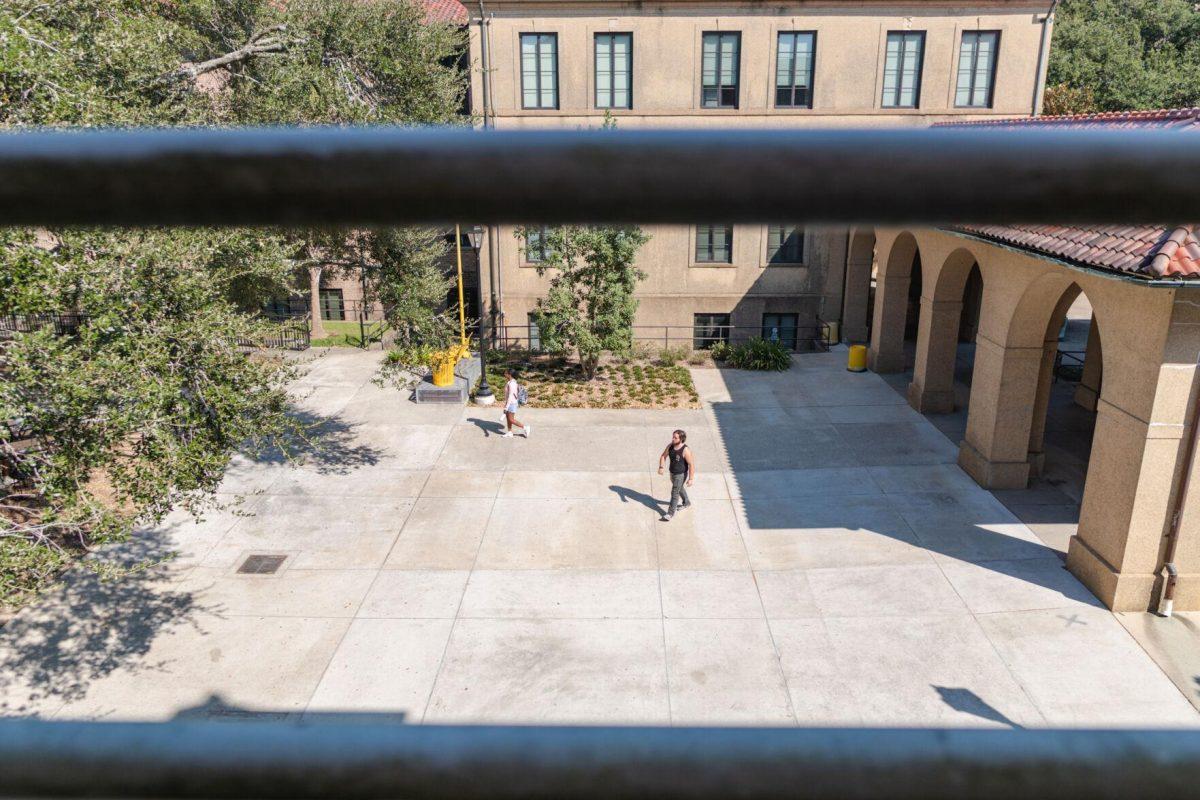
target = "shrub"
x: 760, y: 354
x: 697, y: 357
x: 642, y: 350
x: 668, y: 356
x: 719, y: 351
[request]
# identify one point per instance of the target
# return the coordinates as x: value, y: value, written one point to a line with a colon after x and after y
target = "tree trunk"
x: 314, y: 287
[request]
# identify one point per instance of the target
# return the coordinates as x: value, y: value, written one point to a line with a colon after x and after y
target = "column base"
x: 1037, y: 464
x: 1127, y: 591
x: 1086, y: 397
x: 928, y: 401
x: 992, y: 474
x: 885, y: 363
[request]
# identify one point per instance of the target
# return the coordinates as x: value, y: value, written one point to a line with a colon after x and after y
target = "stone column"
x: 932, y: 387
x: 1088, y: 391
x: 1134, y: 473
x: 854, y: 305
x: 317, y: 325
x: 995, y: 451
x: 1041, y: 404
x: 886, y: 353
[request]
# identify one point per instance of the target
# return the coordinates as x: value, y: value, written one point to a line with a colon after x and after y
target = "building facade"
x: 564, y: 64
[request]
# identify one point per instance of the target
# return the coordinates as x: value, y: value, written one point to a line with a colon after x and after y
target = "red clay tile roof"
x: 450, y: 11
x: 1151, y: 251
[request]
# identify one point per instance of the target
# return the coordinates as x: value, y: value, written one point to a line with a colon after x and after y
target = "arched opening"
x: 859, y: 295
x: 896, y: 315
x: 944, y: 350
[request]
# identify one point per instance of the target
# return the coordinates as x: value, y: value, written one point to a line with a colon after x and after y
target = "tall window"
x: 332, y: 307
x: 535, y: 244
x: 614, y: 70
x: 976, y: 69
x: 902, y: 69
x: 535, y: 335
x: 719, y: 70
x: 708, y: 329
x: 539, y: 70
x: 785, y: 244
x: 794, y: 69
x: 714, y: 244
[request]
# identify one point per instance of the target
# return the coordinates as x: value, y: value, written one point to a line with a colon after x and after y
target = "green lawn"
x: 346, y: 334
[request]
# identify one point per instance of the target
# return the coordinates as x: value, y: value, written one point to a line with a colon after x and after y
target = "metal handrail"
x: 324, y: 176
x: 370, y: 758
x: 806, y: 337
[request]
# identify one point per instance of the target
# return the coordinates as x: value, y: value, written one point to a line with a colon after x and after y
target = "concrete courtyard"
x: 836, y: 568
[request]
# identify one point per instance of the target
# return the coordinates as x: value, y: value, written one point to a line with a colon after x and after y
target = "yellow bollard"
x: 857, y: 361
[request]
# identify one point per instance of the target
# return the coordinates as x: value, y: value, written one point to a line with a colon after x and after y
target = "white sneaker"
x: 528, y: 430
x: 507, y: 435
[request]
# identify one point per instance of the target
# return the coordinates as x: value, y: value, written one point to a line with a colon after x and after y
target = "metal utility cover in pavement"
x: 261, y: 565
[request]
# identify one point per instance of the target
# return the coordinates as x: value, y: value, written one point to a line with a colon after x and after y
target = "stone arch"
x: 932, y: 387
x: 892, y: 304
x: 856, y: 303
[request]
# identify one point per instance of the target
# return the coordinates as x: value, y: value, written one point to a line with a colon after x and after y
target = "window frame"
x: 526, y: 260
x: 723, y: 330
x: 795, y: 340
x: 696, y: 260
x: 538, y: 69
x: 533, y: 333
x: 329, y: 292
x: 737, y: 70
x: 920, y: 76
x: 800, y: 229
x: 812, y: 68
x: 991, y: 89
x: 596, y: 72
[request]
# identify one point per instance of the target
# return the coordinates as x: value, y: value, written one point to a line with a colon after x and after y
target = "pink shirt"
x: 510, y: 393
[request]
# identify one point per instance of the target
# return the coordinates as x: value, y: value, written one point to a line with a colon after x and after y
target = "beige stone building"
x: 568, y: 64
x: 972, y: 317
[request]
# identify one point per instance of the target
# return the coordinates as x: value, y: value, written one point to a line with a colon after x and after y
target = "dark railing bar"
x: 315, y: 176
x: 190, y: 759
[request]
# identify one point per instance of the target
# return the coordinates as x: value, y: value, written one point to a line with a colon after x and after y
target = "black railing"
x: 63, y: 323
x: 800, y: 339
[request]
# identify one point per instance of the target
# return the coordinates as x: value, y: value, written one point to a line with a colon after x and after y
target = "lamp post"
x: 484, y: 395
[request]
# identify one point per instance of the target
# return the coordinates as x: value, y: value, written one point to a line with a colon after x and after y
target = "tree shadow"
x: 968, y: 702
x: 626, y: 494
x: 102, y: 616
x: 328, y: 444
x: 217, y: 708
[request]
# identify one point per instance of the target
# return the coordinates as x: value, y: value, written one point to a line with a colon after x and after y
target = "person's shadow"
x: 628, y: 495
x: 487, y: 426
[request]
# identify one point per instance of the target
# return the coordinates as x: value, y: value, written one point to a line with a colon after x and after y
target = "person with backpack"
x: 683, y: 469
x: 515, y: 396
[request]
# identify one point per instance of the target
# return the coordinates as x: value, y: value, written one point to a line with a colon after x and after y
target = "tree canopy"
x: 1118, y: 55
x: 137, y: 404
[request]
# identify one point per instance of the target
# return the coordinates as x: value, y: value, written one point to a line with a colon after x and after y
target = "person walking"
x: 683, y: 470
x: 514, y: 395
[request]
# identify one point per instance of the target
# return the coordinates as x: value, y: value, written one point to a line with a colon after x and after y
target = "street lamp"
x: 484, y: 395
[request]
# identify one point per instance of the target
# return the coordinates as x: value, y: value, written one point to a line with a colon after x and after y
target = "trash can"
x: 857, y: 360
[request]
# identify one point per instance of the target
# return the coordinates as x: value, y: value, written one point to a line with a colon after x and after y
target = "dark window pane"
x: 709, y: 329
x: 719, y: 70
x: 781, y: 328
x: 794, y: 69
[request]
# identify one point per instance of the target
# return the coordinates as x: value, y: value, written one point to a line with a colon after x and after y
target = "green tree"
x: 1117, y: 55
x: 138, y: 407
x: 590, y: 305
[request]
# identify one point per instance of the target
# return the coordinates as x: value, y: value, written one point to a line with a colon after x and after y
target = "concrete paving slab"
x: 1022, y: 585
x: 1174, y: 644
x: 786, y: 594
x: 235, y: 659
x: 323, y: 401
x: 461, y: 483
x: 598, y: 670
x: 703, y: 537
x: 865, y: 415
x: 710, y: 595
x: 415, y: 594
x: 725, y: 672
x: 291, y: 593
x: 386, y: 405
x: 924, y: 478
x: 941, y: 670
x: 1055, y: 655
x: 884, y: 591
x: 441, y: 533
x: 383, y: 666
x: 562, y: 594
x: 949, y: 538
x: 568, y: 534
x: 625, y: 486
x: 817, y: 687
x: 707, y: 486
x: 402, y: 446
x: 791, y: 483
x: 373, y: 483
x: 884, y: 444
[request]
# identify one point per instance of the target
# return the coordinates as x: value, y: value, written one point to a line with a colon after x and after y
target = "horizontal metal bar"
x: 317, y: 176
x: 370, y: 760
